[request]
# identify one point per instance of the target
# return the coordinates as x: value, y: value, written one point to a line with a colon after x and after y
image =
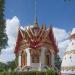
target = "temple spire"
x: 35, y: 22
x: 35, y: 9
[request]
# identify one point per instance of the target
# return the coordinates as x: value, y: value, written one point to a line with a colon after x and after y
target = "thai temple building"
x: 35, y: 48
x: 68, y: 63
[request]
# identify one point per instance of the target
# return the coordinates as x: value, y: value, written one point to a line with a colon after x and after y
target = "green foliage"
x: 49, y: 72
x: 3, y: 67
x: 3, y: 36
x: 11, y: 65
x: 57, y: 61
x: 8, y: 69
x: 16, y: 60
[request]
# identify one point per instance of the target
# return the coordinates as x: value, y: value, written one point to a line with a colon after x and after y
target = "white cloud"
x: 62, y: 47
x: 7, y: 55
x: 61, y: 36
x: 12, y: 26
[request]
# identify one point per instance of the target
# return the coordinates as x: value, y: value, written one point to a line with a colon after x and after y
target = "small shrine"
x: 35, y: 48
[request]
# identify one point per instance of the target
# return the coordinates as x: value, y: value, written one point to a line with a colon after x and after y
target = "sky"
x: 20, y: 13
x: 56, y: 12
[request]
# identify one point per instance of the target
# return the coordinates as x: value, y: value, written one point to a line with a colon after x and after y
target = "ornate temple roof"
x: 35, y: 37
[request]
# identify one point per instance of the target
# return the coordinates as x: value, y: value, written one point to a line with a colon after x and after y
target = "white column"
x: 42, y: 57
x: 52, y: 58
x: 19, y: 60
x: 28, y: 56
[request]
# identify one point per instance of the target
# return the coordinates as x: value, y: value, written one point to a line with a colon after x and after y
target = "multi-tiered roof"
x: 36, y: 37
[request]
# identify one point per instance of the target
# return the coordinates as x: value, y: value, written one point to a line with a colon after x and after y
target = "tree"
x: 3, y: 67
x: 57, y: 61
x: 3, y: 36
x: 7, y: 66
x: 12, y: 65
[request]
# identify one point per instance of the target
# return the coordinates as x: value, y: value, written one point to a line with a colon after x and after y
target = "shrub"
x: 49, y: 72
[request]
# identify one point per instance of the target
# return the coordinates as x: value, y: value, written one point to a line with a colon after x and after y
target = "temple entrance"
x: 35, y: 59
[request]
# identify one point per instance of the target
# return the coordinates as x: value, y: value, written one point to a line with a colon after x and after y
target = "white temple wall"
x: 68, y: 62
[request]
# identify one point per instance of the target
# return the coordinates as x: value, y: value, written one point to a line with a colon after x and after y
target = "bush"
x: 49, y: 72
